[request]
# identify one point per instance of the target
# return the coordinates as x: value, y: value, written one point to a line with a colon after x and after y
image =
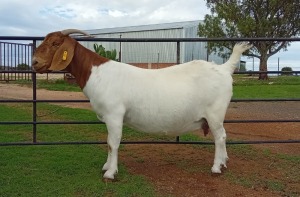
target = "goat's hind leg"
x: 221, y: 156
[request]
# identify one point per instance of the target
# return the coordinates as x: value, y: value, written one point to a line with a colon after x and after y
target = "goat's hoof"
x: 107, y: 180
x: 110, y: 174
x: 216, y: 170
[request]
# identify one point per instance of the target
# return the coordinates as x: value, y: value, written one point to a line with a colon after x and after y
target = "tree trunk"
x: 263, y: 67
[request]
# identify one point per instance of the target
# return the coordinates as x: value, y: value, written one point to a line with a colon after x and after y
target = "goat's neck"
x: 82, y: 63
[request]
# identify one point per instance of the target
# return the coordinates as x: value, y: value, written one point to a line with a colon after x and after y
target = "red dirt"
x: 184, y: 170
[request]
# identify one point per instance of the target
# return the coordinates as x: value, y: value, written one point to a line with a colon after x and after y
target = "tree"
x: 23, y: 66
x: 99, y: 49
x: 252, y: 19
x: 287, y: 71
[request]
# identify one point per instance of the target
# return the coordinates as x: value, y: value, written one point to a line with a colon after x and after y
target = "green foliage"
x: 23, y: 66
x: 287, y: 70
x: 99, y: 49
x: 251, y: 18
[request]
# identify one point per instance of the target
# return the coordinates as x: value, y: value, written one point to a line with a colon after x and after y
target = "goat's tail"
x: 237, y: 51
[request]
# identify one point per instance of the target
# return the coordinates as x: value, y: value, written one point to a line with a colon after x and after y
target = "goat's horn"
x: 72, y: 31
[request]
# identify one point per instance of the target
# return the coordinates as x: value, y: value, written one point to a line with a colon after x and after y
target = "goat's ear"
x: 64, y: 55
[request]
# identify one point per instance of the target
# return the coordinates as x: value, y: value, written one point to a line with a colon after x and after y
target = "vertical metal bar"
x: 15, y: 49
x: 34, y: 109
x: 22, y: 51
x: 25, y: 60
x: 178, y: 62
x: 178, y: 53
x: 4, y: 59
x: 11, y: 61
x: 18, y: 60
x: 1, y: 60
x: 28, y: 60
x: 207, y: 52
x: 278, y: 66
x: 7, y: 62
x: 120, y: 50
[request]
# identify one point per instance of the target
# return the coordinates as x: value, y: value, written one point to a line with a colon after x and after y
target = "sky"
x: 39, y: 17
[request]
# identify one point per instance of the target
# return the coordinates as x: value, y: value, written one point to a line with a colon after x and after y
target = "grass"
x: 58, y: 85
x: 59, y: 170
x: 275, y: 87
x: 63, y: 171
x: 254, y: 181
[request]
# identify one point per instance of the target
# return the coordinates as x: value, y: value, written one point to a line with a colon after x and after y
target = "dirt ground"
x: 184, y: 170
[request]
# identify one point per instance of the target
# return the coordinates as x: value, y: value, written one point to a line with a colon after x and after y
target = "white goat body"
x: 172, y: 100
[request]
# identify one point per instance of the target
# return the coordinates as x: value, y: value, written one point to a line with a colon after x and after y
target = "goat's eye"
x: 55, y: 44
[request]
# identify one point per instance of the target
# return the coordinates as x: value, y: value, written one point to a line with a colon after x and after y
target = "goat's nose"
x: 33, y: 61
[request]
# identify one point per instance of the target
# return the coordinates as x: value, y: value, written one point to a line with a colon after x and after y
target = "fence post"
x: 33, y: 75
x: 178, y: 62
x: 33, y: 107
x: 178, y: 52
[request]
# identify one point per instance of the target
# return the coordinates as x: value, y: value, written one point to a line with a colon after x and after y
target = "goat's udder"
x: 205, y: 127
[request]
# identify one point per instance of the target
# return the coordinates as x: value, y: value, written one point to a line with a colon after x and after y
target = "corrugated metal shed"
x: 141, y: 28
x: 155, y: 53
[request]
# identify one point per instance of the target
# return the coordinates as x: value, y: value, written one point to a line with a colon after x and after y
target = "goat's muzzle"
x: 38, y: 67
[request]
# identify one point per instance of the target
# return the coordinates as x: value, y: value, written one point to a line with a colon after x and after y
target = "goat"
x: 172, y: 100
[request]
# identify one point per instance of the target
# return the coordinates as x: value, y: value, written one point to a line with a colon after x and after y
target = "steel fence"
x: 34, y: 99
x: 15, y: 57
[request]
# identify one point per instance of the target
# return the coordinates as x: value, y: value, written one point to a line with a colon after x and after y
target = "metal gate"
x: 34, y: 101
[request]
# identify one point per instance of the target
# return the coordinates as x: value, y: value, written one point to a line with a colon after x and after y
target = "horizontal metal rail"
x: 43, y: 101
x: 149, y: 142
x: 236, y: 72
x: 87, y: 101
x: 93, y: 39
x: 265, y: 100
x: 48, y: 122
x: 99, y: 122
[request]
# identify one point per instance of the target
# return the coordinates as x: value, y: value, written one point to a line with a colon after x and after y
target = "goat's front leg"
x: 114, y: 127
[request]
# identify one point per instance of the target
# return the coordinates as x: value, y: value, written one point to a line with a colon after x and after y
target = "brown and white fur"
x: 172, y: 100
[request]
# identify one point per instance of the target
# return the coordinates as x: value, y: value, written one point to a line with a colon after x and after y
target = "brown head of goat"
x: 56, y: 51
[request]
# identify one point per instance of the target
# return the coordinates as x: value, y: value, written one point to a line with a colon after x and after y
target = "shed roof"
x: 152, y: 27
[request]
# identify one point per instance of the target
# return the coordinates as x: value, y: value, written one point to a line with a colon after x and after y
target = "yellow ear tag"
x: 65, y: 55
